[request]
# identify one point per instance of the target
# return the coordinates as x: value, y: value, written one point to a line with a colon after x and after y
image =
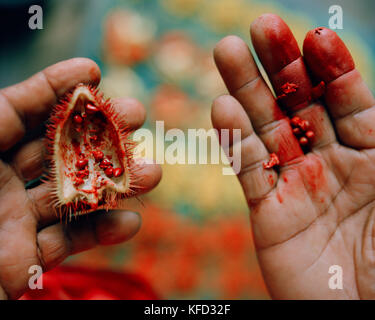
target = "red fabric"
x: 78, y: 283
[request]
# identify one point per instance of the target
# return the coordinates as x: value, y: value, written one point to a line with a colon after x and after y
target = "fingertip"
x: 228, y: 113
x: 147, y: 175
x: 221, y: 108
x: 264, y: 19
x: 94, y: 73
x: 273, y: 42
x: 226, y: 46
x: 65, y: 75
x: 132, y: 110
x: 235, y: 62
x: 117, y: 226
x: 326, y: 54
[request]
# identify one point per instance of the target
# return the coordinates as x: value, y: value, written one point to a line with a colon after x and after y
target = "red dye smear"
x: 281, y: 47
x: 328, y: 58
x: 288, y: 147
x: 279, y: 197
x: 274, y: 161
x: 312, y: 172
x: 270, y: 179
x: 318, y: 90
x: 285, y: 179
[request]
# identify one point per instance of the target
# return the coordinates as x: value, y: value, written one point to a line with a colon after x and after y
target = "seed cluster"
x: 82, y: 163
x: 301, y: 129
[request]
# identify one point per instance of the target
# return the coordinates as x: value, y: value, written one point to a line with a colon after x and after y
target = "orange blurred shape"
x: 173, y: 106
x: 128, y: 37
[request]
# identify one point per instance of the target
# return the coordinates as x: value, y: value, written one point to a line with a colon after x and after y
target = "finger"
x: 146, y: 177
x: 28, y: 160
x: 280, y: 56
x: 227, y: 113
x: 348, y: 99
x: 24, y: 105
x: 131, y: 110
x: 59, y: 241
x: 243, y: 80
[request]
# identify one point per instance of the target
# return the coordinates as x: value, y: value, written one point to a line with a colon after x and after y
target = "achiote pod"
x: 89, y: 154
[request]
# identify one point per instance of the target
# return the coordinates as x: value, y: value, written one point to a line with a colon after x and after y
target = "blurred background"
x: 195, y: 241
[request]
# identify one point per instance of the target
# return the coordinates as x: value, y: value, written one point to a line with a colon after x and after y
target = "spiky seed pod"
x: 87, y: 140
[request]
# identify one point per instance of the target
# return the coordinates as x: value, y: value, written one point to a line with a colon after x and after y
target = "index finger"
x: 24, y: 105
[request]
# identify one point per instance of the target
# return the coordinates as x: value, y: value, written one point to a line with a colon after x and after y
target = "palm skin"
x: 30, y: 232
x: 316, y: 209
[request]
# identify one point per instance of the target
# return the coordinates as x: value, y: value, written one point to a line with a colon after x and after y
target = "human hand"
x: 30, y: 231
x: 317, y: 209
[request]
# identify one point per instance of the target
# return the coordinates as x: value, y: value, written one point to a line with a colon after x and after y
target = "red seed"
x: 303, y: 141
x: 117, y: 172
x: 98, y: 155
x: 295, y: 121
x: 297, y: 131
x: 77, y: 119
x: 82, y: 163
x: 91, y: 108
x: 305, y: 125
x: 109, y: 172
x: 310, y: 135
x: 105, y: 163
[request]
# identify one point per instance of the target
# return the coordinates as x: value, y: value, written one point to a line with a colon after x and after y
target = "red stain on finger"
x: 274, y: 42
x: 313, y: 174
x: 326, y: 54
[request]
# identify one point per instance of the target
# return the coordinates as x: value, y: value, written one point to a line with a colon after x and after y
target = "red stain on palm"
x: 312, y: 172
x: 288, y: 147
x: 271, y: 180
x: 279, y: 197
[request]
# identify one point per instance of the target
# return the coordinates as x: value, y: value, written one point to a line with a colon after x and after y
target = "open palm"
x: 30, y: 232
x: 316, y: 209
